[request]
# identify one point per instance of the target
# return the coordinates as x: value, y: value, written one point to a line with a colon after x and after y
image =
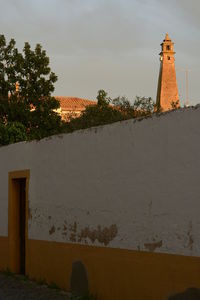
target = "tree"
x: 108, y: 111
x: 144, y: 106
x: 102, y: 99
x: 94, y: 115
x: 12, y: 132
x: 32, y: 105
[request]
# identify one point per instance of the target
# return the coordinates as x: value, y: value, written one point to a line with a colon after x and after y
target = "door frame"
x: 13, y: 220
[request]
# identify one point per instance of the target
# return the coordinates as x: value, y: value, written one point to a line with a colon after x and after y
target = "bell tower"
x: 167, y: 92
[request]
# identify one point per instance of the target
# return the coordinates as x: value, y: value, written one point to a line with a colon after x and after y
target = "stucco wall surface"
x: 131, y: 185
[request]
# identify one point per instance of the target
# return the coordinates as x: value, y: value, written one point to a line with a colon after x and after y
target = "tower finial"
x: 167, y: 38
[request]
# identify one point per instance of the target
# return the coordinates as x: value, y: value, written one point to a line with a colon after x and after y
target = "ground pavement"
x: 19, y: 288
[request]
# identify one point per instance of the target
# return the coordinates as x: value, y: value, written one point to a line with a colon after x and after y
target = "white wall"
x: 133, y: 185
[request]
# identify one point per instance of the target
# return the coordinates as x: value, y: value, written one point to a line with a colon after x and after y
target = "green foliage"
x: 12, y: 132
x: 95, y: 115
x: 102, y: 99
x: 7, y: 272
x: 14, y: 109
x: 53, y: 286
x: 9, y: 66
x: 109, y: 111
x: 29, y: 68
x: 32, y: 105
x: 143, y: 106
x: 41, y: 281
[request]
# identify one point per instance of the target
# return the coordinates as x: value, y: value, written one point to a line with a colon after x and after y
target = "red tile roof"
x: 74, y: 103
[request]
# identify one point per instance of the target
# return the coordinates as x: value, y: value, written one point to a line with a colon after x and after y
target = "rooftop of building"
x: 74, y: 103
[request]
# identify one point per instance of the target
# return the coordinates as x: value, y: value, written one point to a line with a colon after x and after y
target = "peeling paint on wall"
x: 102, y: 235
x: 73, y: 230
x: 64, y: 231
x: 190, y: 237
x: 151, y: 247
x: 74, y: 233
x: 52, y: 230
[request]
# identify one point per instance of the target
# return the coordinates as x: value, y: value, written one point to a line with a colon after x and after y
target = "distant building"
x: 167, y: 92
x: 72, y: 106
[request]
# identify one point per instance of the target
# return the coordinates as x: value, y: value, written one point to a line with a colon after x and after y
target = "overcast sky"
x: 108, y: 44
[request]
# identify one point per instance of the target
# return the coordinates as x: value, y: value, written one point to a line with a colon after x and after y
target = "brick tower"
x: 167, y: 92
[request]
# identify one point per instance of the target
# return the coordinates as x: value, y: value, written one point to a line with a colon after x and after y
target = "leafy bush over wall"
x: 19, y: 123
x: 12, y: 132
x: 109, y: 111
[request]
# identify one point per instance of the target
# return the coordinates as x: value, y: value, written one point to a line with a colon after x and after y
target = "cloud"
x: 189, y: 11
x: 80, y: 26
x: 111, y: 44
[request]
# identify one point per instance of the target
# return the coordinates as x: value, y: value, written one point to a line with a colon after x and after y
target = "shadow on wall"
x: 189, y: 294
x: 79, y: 279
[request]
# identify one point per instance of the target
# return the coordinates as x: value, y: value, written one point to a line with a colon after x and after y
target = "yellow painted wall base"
x: 115, y: 274
x: 4, y: 253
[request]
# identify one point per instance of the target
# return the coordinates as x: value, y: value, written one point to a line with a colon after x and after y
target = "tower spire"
x: 167, y: 91
x: 167, y: 38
